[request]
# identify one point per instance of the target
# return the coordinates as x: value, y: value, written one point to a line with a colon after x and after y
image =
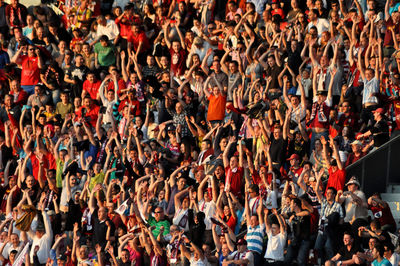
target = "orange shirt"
x: 216, y: 107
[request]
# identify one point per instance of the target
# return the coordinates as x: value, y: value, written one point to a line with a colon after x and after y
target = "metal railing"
x: 378, y: 169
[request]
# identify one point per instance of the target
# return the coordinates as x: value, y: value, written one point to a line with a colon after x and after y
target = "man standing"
x: 16, y: 14
x: 324, y: 244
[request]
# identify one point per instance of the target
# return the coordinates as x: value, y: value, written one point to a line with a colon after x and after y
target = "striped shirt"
x: 255, y: 238
x: 370, y: 88
x: 327, y: 209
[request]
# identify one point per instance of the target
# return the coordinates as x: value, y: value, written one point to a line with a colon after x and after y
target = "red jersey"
x: 91, y: 88
x: 121, y: 85
x: 137, y: 39
x: 234, y: 179
x: 30, y: 74
x: 124, y: 25
x: 384, y: 215
x: 336, y: 179
x: 91, y: 114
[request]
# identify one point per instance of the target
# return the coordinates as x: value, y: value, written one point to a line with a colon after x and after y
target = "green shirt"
x: 97, y: 179
x: 59, y: 171
x: 105, y: 54
x: 64, y: 109
x: 156, y: 231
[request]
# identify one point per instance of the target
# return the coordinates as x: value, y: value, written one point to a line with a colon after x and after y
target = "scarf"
x: 14, y: 21
x: 55, y: 75
x: 121, y: 127
x: 316, y: 107
x: 24, y: 223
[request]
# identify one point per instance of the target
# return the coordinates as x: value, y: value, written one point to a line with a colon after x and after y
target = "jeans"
x: 324, y: 247
x: 55, y: 95
x: 30, y: 89
x: 257, y: 258
x: 298, y: 249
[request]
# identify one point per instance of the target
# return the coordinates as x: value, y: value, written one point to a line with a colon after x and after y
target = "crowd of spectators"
x: 195, y: 132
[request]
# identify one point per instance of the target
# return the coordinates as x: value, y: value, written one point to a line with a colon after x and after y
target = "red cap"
x: 379, y: 110
x: 294, y: 156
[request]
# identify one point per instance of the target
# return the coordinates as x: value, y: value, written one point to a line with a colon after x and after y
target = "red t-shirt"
x: 135, y: 106
x: 30, y: 74
x: 91, y: 114
x: 137, y: 39
x: 178, y: 61
x: 352, y: 158
x: 336, y: 179
x: 231, y: 222
x: 91, y: 88
x: 124, y: 27
x: 121, y: 86
x: 234, y: 179
x: 384, y: 215
x: 35, y: 166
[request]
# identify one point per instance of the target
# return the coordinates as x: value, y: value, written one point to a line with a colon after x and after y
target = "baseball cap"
x: 294, y: 156
x: 171, y: 127
x: 241, y: 241
x: 379, y: 110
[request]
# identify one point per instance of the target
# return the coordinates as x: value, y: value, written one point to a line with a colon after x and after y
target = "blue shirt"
x: 4, y: 59
x: 384, y: 262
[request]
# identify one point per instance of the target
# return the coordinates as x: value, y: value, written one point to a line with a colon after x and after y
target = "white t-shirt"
x: 198, y: 262
x: 181, y: 219
x: 209, y: 210
x: 395, y: 259
x: 272, y: 200
x: 9, y: 247
x: 275, y: 246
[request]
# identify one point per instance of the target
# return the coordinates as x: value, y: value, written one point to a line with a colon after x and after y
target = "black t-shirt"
x: 163, y: 114
x: 380, y: 132
x: 75, y: 72
x: 301, y: 227
x: 300, y: 148
x: 278, y: 150
x: 100, y: 230
x: 74, y: 215
x: 160, y: 50
x: 348, y: 254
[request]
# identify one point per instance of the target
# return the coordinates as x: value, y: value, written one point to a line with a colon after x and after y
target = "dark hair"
x: 207, y: 141
x: 376, y: 223
x: 389, y: 246
x: 103, y: 38
x: 349, y: 234
x: 297, y: 201
x: 333, y: 190
x: 378, y: 195
x: 379, y: 247
x: 255, y: 188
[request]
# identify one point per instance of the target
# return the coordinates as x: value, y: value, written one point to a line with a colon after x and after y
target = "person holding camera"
x: 325, y: 244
